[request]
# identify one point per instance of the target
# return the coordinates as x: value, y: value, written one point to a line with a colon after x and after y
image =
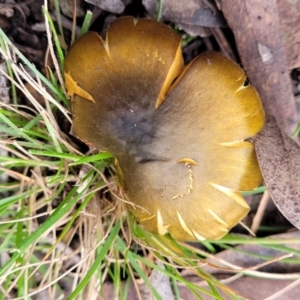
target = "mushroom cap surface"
x: 179, y: 134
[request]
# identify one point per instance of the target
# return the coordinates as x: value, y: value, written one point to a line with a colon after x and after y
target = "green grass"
x: 59, y: 232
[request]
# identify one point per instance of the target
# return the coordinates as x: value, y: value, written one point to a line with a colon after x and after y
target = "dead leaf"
x: 191, y: 12
x: 250, y: 288
x: 160, y: 282
x: 279, y: 160
x: 113, y: 6
x: 262, y: 288
x: 289, y: 12
x: 257, y: 31
x: 250, y: 256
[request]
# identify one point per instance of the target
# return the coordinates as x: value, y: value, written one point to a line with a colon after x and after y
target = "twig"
x: 260, y: 211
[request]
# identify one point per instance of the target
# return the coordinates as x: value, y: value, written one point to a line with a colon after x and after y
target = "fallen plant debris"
x: 279, y: 159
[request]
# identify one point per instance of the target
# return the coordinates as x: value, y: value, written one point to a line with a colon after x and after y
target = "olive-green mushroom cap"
x: 180, y: 142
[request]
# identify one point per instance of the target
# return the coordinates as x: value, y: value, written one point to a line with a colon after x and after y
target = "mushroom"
x: 181, y: 135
